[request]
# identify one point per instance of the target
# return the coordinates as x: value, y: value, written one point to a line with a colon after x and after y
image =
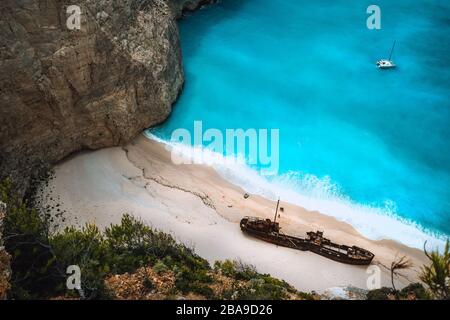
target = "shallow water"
x: 355, y: 141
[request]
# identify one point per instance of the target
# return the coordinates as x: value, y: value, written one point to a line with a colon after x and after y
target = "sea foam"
x: 314, y: 194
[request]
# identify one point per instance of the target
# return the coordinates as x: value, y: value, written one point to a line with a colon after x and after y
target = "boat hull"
x: 385, y: 64
x: 331, y: 251
x: 280, y: 240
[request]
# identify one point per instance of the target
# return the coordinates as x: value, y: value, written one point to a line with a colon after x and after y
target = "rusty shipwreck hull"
x: 269, y: 231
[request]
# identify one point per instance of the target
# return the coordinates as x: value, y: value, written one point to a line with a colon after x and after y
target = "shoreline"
x: 384, y: 224
x: 202, y: 209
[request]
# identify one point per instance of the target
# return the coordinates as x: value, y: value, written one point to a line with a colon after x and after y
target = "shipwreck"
x: 269, y: 231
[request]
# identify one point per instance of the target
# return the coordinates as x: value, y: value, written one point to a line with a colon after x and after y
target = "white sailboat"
x: 387, y: 63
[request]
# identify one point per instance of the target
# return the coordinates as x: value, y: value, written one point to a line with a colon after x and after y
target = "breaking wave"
x: 314, y: 194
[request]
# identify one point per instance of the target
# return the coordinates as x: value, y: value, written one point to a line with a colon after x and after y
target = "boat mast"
x: 276, y: 210
x: 392, y: 50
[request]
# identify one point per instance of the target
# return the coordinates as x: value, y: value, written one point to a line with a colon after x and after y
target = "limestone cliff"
x: 63, y: 90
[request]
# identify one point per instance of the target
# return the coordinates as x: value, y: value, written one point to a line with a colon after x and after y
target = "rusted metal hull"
x: 278, y: 239
x: 341, y: 253
x: 340, y: 257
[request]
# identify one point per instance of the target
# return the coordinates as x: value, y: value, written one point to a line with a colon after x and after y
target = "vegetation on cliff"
x: 153, y: 261
x: 133, y: 261
x: 414, y: 291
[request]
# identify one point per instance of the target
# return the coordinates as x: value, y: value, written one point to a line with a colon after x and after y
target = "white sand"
x: 201, y: 209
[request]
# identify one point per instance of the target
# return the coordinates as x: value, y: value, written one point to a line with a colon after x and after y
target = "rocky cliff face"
x: 63, y: 90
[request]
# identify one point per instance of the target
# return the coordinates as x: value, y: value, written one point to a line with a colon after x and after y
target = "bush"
x: 257, y: 286
x: 236, y: 269
x: 189, y: 280
x: 258, y: 289
x: 40, y: 258
x: 305, y: 295
x: 86, y: 248
x: 203, y: 290
x: 132, y: 244
x: 416, y: 290
x: 35, y: 272
x: 160, y: 267
x: 124, y: 248
x: 437, y: 275
x: 380, y: 294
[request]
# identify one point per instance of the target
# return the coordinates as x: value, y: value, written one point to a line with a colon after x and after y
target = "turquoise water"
x: 350, y: 134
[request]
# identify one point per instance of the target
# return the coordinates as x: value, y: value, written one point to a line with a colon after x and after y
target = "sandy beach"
x: 199, y: 208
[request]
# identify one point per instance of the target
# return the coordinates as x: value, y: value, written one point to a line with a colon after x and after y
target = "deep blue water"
x: 348, y: 131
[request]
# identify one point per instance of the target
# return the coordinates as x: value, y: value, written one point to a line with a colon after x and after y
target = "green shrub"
x: 124, y: 248
x: 203, y: 290
x: 415, y: 289
x: 305, y: 295
x: 133, y: 244
x: 380, y: 294
x: 258, y: 289
x: 40, y: 258
x: 236, y: 269
x: 188, y: 279
x: 87, y: 249
x: 437, y: 275
x: 160, y: 267
x: 258, y: 286
x: 35, y: 271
